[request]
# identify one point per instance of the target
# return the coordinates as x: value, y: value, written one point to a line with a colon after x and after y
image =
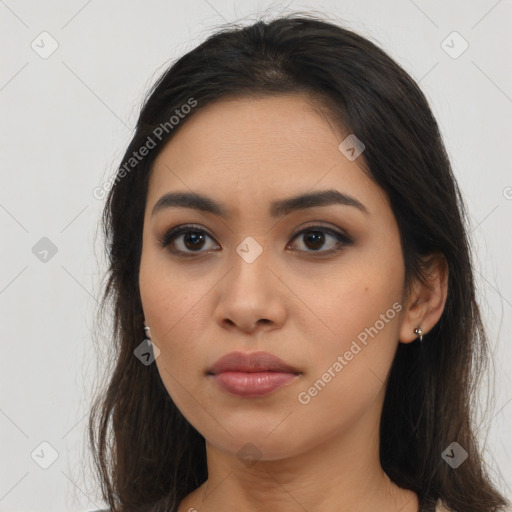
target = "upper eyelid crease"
x: 278, y: 208
x: 180, y: 230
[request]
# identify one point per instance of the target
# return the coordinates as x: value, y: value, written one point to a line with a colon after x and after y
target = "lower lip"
x: 253, y: 384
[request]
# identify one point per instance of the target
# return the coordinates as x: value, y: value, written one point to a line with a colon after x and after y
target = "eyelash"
x: 172, y: 234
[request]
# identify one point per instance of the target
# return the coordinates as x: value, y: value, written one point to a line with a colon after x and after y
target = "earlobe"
x: 427, y: 299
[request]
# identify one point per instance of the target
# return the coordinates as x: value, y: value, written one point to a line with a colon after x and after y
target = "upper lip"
x: 250, y: 362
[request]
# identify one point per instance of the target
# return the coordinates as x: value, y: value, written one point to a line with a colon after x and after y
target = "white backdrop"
x: 73, y: 75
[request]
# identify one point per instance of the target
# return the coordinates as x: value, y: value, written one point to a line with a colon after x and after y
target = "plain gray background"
x: 66, y: 120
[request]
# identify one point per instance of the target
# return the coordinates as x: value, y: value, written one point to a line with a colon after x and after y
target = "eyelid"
x: 165, y: 239
x: 342, y: 237
x: 337, y: 232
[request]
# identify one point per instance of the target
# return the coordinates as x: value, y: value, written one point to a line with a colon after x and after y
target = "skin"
x: 304, y: 308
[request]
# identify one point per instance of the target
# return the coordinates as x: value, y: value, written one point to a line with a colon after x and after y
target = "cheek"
x: 347, y: 299
x: 170, y: 309
x: 171, y: 298
x: 352, y: 350
x: 170, y: 306
x: 353, y: 323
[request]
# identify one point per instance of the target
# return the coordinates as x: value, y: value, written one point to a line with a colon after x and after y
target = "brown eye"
x: 187, y: 240
x: 316, y: 237
x: 193, y: 241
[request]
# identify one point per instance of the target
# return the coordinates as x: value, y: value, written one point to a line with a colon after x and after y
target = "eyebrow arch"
x: 278, y: 208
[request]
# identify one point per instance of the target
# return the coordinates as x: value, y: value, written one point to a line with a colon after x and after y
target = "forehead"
x: 251, y: 149
x: 268, y: 129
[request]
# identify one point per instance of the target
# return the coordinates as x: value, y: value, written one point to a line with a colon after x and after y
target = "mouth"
x: 251, y: 374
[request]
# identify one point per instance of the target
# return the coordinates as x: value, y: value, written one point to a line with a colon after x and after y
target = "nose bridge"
x: 250, y: 292
x: 252, y: 262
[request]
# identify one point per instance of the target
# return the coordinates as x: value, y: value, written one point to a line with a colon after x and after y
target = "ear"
x: 426, y: 300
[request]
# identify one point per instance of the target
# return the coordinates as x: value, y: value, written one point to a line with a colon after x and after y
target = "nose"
x: 251, y: 297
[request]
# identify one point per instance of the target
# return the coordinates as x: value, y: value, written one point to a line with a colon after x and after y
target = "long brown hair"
x: 147, y: 456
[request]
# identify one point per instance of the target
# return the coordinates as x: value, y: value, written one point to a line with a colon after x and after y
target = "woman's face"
x: 318, y: 285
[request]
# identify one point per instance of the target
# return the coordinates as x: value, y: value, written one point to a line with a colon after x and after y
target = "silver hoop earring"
x: 419, y: 333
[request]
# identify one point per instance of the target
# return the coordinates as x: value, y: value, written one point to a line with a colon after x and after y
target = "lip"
x: 251, y: 362
x: 251, y: 374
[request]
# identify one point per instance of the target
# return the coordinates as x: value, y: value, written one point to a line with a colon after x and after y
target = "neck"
x: 343, y: 474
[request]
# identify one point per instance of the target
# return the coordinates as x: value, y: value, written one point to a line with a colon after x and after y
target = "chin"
x: 253, y: 444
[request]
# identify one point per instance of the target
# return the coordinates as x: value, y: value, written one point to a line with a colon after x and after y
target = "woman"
x: 286, y: 233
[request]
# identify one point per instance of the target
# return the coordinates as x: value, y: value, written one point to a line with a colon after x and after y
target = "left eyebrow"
x: 310, y: 200
x: 278, y: 208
